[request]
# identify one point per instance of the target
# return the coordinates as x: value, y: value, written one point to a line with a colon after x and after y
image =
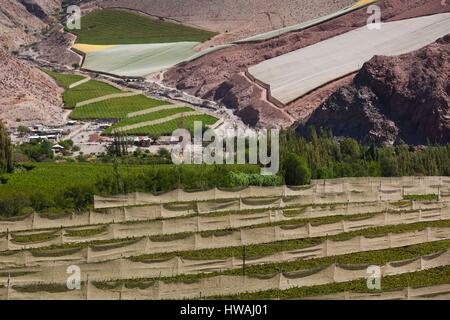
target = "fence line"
x: 125, y: 268
x: 229, y: 285
x: 147, y: 245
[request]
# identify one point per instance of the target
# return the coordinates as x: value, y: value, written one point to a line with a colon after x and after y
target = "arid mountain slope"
x: 23, y: 21
x: 393, y: 100
x: 27, y: 95
x: 220, y: 75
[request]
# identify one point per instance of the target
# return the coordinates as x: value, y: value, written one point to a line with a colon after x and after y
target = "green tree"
x: 296, y: 170
x: 350, y: 149
x: 6, y: 162
x: 23, y: 130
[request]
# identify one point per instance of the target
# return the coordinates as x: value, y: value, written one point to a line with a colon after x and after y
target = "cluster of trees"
x: 162, y: 178
x: 35, y: 151
x: 321, y: 156
x: 152, y: 178
x: 139, y: 156
x: 77, y: 197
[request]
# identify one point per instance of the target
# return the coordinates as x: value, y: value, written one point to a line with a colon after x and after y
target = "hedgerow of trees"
x: 6, y: 161
x: 327, y: 157
x: 318, y: 156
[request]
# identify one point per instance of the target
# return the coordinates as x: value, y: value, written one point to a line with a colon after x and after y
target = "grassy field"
x: 168, y: 127
x: 116, y: 108
x: 148, y: 117
x: 86, y: 91
x: 51, y: 178
x: 122, y: 27
x: 64, y: 80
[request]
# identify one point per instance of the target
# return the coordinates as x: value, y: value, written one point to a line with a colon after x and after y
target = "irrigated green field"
x: 120, y: 107
x: 64, y: 80
x: 86, y: 91
x: 116, y: 108
x: 168, y: 127
x: 122, y: 27
x: 51, y: 177
x: 148, y: 117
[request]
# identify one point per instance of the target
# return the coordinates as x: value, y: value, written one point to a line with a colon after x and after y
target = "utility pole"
x: 243, y: 262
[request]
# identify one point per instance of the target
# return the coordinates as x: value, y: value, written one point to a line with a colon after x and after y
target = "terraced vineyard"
x: 86, y: 91
x: 92, y: 99
x: 260, y: 242
x: 166, y: 128
x: 106, y: 27
x: 117, y: 108
x: 148, y: 117
x: 64, y: 80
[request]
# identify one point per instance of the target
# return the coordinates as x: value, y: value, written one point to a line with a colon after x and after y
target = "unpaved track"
x: 157, y: 121
x: 107, y: 97
x: 76, y: 84
x: 155, y: 109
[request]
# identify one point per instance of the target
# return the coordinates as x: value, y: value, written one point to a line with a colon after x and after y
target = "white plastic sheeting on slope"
x: 123, y: 268
x: 18, y: 254
x: 229, y: 285
x: 139, y: 59
x: 292, y: 75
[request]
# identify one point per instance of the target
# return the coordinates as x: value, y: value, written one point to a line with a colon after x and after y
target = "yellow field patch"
x: 361, y: 3
x: 86, y: 48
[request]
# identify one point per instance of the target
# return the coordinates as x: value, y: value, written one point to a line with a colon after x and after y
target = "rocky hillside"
x: 393, y: 100
x: 24, y: 21
x: 27, y: 95
x: 220, y: 76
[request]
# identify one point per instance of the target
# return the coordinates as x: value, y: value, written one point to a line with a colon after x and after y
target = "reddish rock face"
x: 393, y: 100
x: 215, y: 76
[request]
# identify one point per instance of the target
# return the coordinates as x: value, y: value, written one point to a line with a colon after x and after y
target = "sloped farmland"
x: 139, y: 59
x: 295, y: 74
x: 262, y: 242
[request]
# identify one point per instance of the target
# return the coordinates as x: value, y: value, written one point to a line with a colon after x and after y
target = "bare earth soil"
x: 219, y: 75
